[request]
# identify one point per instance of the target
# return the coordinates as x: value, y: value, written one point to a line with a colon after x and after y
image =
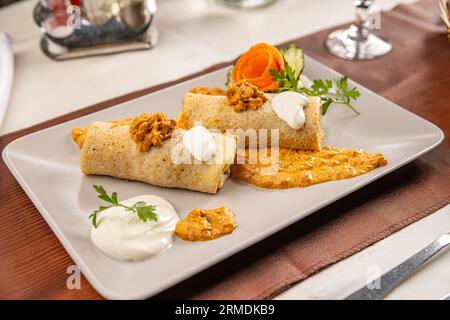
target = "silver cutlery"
x: 393, y: 278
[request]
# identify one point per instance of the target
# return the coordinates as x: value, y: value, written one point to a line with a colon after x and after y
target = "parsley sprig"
x: 333, y: 91
x: 330, y: 91
x: 287, y: 81
x: 228, y: 77
x: 145, y: 212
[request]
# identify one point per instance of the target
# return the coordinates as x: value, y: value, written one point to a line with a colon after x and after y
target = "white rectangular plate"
x: 46, y: 164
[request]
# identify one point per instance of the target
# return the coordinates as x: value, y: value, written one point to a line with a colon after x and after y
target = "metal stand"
x: 129, y: 28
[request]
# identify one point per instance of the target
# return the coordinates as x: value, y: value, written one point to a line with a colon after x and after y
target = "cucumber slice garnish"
x: 295, y: 58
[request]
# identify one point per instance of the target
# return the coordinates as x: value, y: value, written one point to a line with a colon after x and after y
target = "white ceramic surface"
x: 49, y: 173
x: 6, y: 73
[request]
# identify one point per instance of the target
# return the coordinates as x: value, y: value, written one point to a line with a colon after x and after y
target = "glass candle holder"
x: 357, y: 42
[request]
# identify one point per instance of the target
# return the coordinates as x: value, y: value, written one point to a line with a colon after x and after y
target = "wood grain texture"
x: 415, y: 75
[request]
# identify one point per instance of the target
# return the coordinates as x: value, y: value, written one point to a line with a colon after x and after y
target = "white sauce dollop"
x: 289, y: 106
x: 200, y: 143
x: 121, y: 234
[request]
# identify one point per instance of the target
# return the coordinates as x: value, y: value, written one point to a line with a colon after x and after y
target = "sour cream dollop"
x: 289, y: 106
x: 200, y: 143
x: 121, y: 234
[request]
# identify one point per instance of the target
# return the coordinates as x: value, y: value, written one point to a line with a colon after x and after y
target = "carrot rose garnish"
x: 255, y: 65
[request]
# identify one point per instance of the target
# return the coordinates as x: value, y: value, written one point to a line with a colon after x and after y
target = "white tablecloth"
x: 195, y: 34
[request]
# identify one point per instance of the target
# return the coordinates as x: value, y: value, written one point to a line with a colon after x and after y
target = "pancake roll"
x: 215, y: 112
x: 107, y: 148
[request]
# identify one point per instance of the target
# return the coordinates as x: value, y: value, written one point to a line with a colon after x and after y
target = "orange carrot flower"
x: 255, y: 65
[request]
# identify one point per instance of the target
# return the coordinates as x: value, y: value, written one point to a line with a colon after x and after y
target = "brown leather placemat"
x: 415, y: 75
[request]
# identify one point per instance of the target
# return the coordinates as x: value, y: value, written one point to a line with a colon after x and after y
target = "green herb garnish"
x: 228, y: 77
x: 329, y: 91
x: 333, y: 91
x: 144, y: 211
x: 286, y: 78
